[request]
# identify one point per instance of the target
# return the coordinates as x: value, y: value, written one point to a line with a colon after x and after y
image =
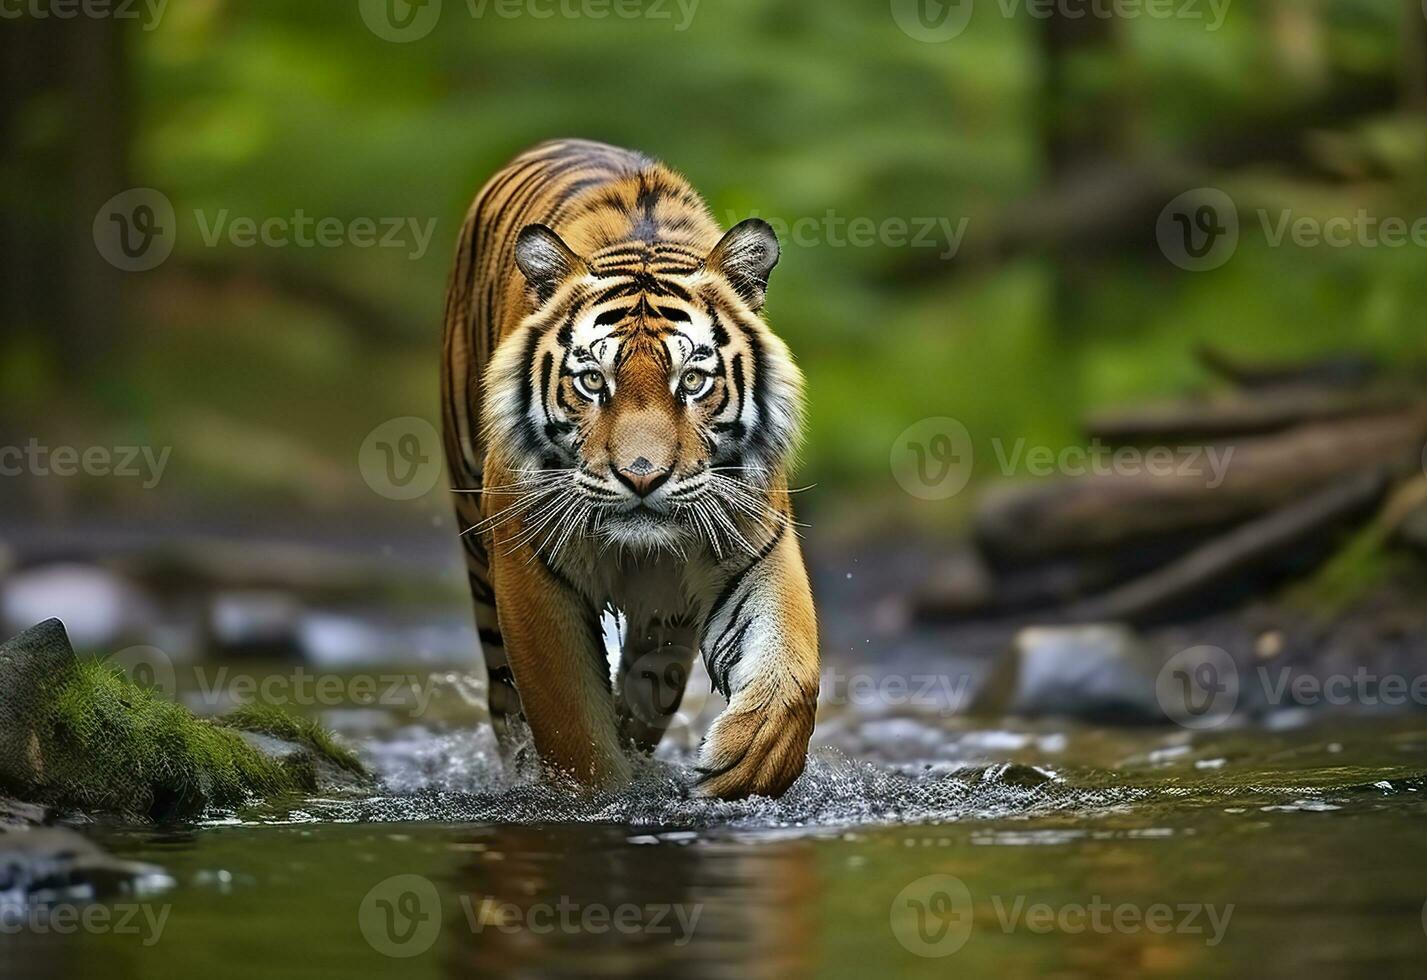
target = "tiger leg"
x: 761, y: 648
x: 555, y: 648
x: 653, y: 671
x: 502, y: 698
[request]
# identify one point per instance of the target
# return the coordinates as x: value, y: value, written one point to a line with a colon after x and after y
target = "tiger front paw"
x: 759, y: 745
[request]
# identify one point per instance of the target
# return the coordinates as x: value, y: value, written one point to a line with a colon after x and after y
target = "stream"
x: 918, y: 843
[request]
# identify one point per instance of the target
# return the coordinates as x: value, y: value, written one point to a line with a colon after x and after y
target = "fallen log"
x: 1348, y: 369
x: 1262, y: 413
x: 1050, y: 585
x: 1032, y: 523
x: 1286, y: 536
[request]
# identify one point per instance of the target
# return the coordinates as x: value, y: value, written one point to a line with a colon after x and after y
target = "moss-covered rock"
x: 77, y: 734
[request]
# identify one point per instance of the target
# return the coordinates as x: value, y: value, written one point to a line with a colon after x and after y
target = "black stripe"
x: 732, y: 618
x: 721, y: 337
x: 737, y: 580
x: 482, y: 592
x: 721, y: 665
x: 611, y: 317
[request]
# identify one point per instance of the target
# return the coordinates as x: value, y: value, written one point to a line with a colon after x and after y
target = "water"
x: 916, y: 845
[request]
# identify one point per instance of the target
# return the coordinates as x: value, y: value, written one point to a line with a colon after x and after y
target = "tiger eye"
x: 593, y: 381
x: 693, y: 381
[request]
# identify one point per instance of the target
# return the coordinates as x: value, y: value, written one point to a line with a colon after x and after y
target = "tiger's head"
x: 644, y: 397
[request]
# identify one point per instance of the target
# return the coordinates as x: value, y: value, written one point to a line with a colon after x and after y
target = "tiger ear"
x: 545, y: 260
x: 746, y: 256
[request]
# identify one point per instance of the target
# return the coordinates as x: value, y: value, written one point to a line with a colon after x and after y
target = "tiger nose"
x: 642, y: 476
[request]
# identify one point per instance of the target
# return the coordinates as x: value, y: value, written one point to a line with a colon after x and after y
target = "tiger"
x: 620, y: 423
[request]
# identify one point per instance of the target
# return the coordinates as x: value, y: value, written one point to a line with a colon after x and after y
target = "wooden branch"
x: 1031, y: 523
x: 1272, y: 411
x: 1254, y: 546
x: 1109, y: 206
x: 1344, y: 370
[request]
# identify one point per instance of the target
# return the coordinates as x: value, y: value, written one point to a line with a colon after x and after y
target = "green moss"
x: 301, y: 731
x: 1359, y: 569
x: 106, y: 744
x: 103, y: 744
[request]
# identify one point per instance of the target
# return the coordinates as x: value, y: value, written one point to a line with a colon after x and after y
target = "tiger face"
x: 644, y: 393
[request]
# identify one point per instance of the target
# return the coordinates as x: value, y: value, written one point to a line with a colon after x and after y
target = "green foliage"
x: 299, y: 731
x: 106, y: 745
x: 782, y: 108
x: 111, y: 746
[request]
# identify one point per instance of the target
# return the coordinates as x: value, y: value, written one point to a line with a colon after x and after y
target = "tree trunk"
x: 56, y: 287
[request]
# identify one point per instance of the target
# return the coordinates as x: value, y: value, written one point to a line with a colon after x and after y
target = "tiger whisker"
x: 524, y: 502
x: 547, y: 516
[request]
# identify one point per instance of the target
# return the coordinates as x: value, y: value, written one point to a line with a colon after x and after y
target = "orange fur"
x: 621, y: 421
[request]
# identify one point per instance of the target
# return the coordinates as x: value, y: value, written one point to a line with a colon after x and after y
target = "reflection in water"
x: 1313, y: 838
x: 555, y: 902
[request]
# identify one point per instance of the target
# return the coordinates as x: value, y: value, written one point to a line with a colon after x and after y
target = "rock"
x: 1094, y: 672
x: 344, y: 639
x: 956, y: 586
x: 30, y: 664
x: 255, y: 623
x: 99, y: 607
x: 324, y: 773
x: 15, y: 814
x: 42, y: 865
x: 77, y: 736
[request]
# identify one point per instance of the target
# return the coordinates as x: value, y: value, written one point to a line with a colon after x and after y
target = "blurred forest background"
x: 1058, y: 139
